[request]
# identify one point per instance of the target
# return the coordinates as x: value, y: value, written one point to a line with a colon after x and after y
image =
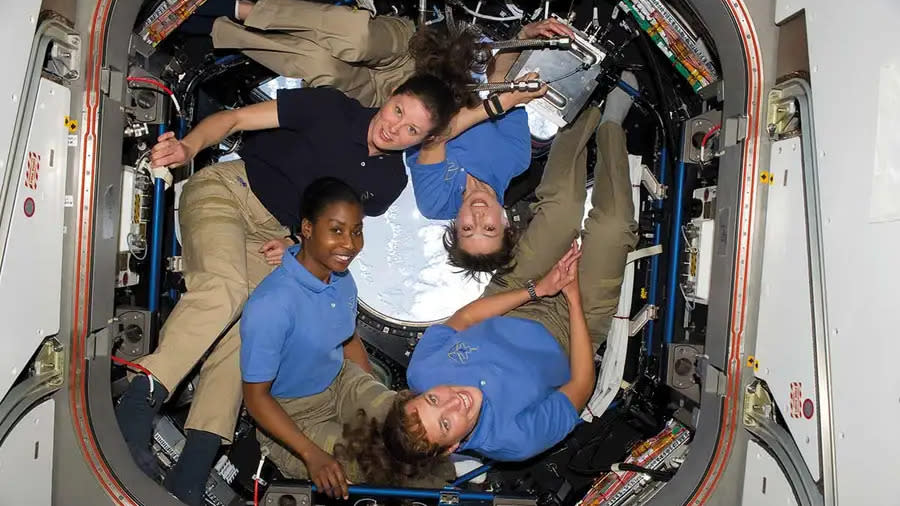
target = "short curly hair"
x: 404, y: 435
x: 500, y: 262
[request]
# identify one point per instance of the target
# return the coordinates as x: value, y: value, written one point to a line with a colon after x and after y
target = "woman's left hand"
x: 561, y: 275
x: 547, y: 28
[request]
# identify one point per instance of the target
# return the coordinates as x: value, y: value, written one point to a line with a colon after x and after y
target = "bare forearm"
x: 275, y: 421
x: 355, y: 351
x: 210, y: 131
x: 470, y: 116
x: 488, y: 307
x: 581, y: 360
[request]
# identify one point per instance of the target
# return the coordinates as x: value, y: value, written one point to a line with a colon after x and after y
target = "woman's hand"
x: 326, y: 472
x: 511, y: 99
x: 563, y: 275
x: 274, y: 250
x: 548, y: 28
x: 170, y: 152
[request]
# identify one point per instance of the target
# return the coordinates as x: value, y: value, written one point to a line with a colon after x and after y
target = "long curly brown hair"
x: 451, y: 54
x: 363, y: 450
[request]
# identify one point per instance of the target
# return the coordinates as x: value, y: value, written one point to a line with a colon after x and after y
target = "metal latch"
x: 175, y: 264
x: 734, y: 130
x: 656, y: 189
x: 714, y: 379
x: 448, y: 498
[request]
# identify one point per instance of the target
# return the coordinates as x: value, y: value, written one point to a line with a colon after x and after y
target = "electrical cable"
x: 486, y: 17
x: 161, y: 86
x: 137, y: 367
x: 714, y: 131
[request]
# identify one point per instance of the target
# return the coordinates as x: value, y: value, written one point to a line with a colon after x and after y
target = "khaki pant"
x: 223, y: 225
x: 327, y: 45
x: 322, y: 416
x: 609, y: 231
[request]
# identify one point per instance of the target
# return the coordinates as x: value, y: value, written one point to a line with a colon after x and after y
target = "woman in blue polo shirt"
x: 305, y: 372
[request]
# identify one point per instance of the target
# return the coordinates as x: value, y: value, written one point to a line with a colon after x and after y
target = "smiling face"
x: 448, y: 413
x: 402, y: 122
x: 480, y: 223
x: 333, y: 240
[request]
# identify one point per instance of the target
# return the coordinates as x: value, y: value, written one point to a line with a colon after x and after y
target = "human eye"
x: 397, y: 110
x: 413, y: 131
x: 432, y: 399
x: 445, y: 425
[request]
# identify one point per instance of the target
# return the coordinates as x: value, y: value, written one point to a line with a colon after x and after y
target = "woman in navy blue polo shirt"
x: 305, y: 371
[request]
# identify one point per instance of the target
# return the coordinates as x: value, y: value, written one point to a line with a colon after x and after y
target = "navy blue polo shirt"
x: 321, y: 132
x: 518, y: 366
x: 293, y: 329
x: 493, y: 151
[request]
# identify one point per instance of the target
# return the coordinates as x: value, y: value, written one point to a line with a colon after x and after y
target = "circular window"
x: 402, y: 272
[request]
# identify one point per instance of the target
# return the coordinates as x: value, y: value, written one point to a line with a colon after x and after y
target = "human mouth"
x: 384, y: 136
x: 466, y: 400
x: 479, y: 203
x: 344, y: 259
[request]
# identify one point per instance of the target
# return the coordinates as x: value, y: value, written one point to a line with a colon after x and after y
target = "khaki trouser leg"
x: 326, y: 45
x: 322, y: 416
x: 609, y: 230
x: 560, y: 207
x: 219, y: 216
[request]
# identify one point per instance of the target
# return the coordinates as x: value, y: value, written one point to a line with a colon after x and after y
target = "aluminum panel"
x: 764, y: 482
x: 849, y: 48
x: 16, y: 38
x: 785, y: 342
x: 31, y: 273
x: 26, y: 458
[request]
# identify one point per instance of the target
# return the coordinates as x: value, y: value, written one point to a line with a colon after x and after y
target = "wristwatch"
x: 532, y: 292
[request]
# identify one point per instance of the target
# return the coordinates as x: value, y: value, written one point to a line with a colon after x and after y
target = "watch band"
x: 532, y: 292
x: 293, y: 238
x: 487, y: 108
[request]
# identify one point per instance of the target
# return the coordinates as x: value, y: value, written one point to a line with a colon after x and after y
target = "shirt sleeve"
x: 515, y: 137
x: 545, y: 423
x: 265, y: 325
x: 430, y: 187
x: 300, y: 108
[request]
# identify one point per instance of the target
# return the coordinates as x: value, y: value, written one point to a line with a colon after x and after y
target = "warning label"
x: 32, y: 168
x: 796, y: 399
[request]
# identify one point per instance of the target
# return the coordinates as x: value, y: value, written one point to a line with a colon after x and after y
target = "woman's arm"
x: 355, y: 351
x: 325, y: 471
x: 495, y: 305
x: 581, y: 355
x: 170, y: 152
x: 503, y: 61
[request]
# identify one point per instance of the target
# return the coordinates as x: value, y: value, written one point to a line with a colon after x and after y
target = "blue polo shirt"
x: 293, y: 329
x: 518, y: 366
x: 493, y: 151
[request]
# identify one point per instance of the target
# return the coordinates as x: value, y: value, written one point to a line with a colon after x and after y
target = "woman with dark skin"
x: 306, y: 375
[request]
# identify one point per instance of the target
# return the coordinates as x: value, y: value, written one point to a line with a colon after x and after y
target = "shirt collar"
x: 359, y: 131
x: 480, y: 433
x: 301, y: 274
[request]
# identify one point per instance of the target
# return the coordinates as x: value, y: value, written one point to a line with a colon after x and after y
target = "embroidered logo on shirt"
x: 366, y: 196
x: 460, y: 352
x: 451, y: 171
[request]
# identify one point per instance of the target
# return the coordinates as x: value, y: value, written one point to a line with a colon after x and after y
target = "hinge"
x: 49, y: 361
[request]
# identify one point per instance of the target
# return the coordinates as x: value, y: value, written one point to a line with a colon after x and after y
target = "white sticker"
x: 885, y: 205
x: 69, y: 201
x: 72, y: 140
